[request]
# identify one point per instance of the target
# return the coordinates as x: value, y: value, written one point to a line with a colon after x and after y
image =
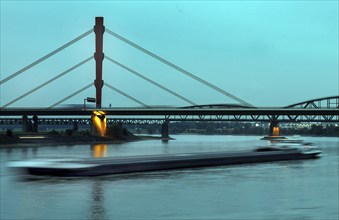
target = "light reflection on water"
x: 281, y: 190
x: 97, y: 207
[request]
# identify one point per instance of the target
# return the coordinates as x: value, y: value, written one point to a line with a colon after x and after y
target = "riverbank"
x: 115, y: 135
x: 241, y: 128
x: 40, y: 140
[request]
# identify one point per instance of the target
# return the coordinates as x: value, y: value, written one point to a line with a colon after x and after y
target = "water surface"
x: 280, y: 190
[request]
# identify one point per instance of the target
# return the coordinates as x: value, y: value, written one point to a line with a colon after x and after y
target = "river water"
x: 279, y: 190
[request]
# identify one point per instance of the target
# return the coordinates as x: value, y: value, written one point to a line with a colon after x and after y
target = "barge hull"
x: 118, y: 165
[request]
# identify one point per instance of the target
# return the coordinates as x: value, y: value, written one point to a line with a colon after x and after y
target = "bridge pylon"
x: 99, y: 30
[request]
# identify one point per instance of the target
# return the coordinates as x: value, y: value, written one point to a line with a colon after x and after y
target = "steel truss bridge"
x: 325, y: 110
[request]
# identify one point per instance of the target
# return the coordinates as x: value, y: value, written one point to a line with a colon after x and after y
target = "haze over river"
x: 305, y: 189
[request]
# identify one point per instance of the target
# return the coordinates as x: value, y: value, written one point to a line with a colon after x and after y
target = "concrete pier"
x: 25, y: 126
x: 28, y: 125
x: 35, y: 123
x: 164, y: 130
x: 274, y: 132
x: 274, y: 128
x: 98, y: 125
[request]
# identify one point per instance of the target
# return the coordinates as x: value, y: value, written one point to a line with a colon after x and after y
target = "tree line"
x: 238, y: 128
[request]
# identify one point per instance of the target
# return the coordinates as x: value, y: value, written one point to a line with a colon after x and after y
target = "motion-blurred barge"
x: 128, y: 164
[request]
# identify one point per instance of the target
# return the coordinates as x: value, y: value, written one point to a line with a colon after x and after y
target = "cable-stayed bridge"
x: 316, y: 110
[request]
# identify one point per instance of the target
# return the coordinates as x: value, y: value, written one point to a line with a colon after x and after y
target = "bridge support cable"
x: 45, y: 57
x: 126, y: 95
x: 178, y: 68
x: 71, y: 95
x: 151, y: 81
x: 47, y: 82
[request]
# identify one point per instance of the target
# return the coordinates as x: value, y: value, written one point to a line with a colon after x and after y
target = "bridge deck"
x: 168, y: 111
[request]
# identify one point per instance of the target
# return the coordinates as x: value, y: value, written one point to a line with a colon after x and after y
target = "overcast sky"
x: 268, y: 53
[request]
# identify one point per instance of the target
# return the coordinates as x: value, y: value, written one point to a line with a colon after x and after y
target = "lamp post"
x: 88, y: 99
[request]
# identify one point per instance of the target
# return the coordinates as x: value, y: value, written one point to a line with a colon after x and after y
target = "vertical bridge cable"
x: 45, y: 57
x: 178, y: 68
x: 71, y: 95
x: 47, y: 82
x: 151, y: 81
x: 126, y: 95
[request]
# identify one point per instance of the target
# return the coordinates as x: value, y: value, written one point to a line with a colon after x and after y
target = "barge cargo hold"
x: 128, y: 164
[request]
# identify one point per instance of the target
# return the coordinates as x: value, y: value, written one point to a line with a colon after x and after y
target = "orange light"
x: 99, y: 123
x: 99, y: 150
x: 276, y: 131
x: 99, y: 113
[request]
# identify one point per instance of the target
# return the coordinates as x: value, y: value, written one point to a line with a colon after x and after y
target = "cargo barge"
x: 129, y: 164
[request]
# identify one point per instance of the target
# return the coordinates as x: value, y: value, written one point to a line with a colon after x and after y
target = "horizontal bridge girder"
x: 178, y: 118
x: 151, y: 115
x: 170, y: 112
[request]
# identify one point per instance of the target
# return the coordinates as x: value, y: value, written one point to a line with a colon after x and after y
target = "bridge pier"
x: 35, y: 123
x: 25, y: 123
x: 274, y: 128
x: 28, y: 126
x: 164, y: 130
x: 75, y: 126
x: 98, y: 124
